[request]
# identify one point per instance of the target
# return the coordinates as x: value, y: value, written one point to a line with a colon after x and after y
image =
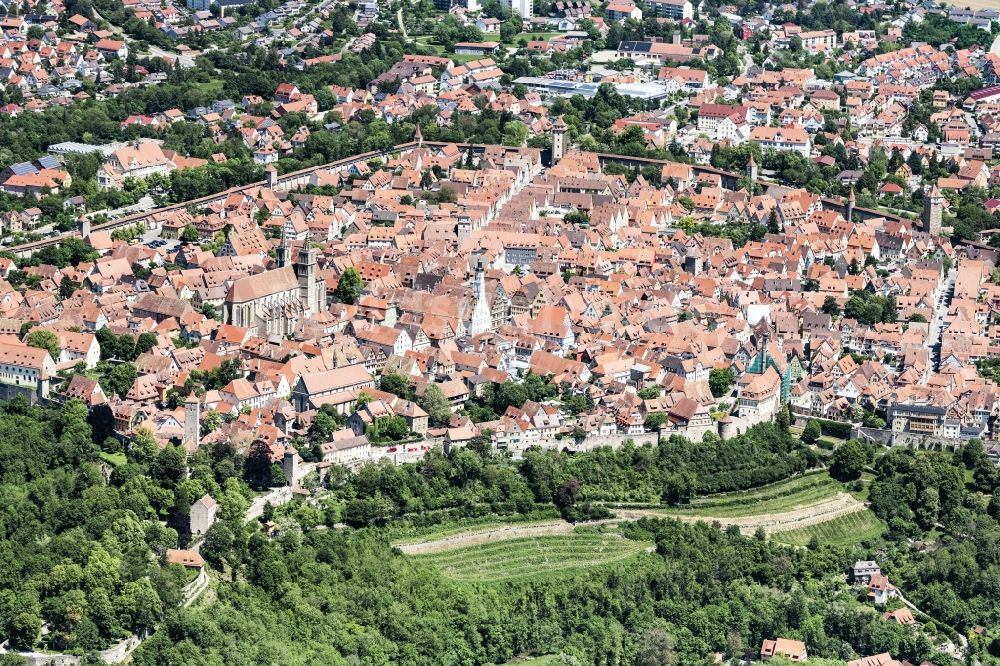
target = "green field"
x: 524, y: 558
x: 843, y: 531
x: 114, y: 459
x: 776, y: 498
x: 211, y: 87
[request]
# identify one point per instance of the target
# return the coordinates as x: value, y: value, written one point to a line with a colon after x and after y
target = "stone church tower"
x: 312, y: 290
x: 482, y: 316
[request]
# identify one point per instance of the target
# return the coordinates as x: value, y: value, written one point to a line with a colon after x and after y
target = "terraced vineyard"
x: 795, y: 493
x: 844, y: 530
x: 526, y: 557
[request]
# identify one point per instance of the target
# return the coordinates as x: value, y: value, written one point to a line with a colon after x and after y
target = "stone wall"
x: 615, y: 441
x: 737, y: 425
x: 905, y: 439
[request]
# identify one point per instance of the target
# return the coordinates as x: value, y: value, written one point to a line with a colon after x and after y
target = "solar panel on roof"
x: 48, y: 162
x: 22, y: 168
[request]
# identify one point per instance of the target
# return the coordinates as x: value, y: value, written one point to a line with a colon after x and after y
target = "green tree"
x: 349, y: 286
x: 831, y: 307
x: 654, y: 420
x: 649, y: 392
x: 848, y: 461
x: 189, y: 234
x: 24, y: 630
x: 324, y: 424
x: 119, y: 379
x: 434, y: 402
x: 75, y: 437
x: 388, y: 429
x: 211, y: 422
x: 397, y: 384
x: 42, y: 339
x: 720, y: 381
x: 218, y: 543
x: 67, y: 287
x: 784, y: 418
x: 145, y: 342
x: 812, y: 432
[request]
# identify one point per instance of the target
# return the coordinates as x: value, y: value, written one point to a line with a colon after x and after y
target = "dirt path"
x: 820, y: 512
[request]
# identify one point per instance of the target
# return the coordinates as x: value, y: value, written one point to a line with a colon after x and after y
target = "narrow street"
x: 940, y: 310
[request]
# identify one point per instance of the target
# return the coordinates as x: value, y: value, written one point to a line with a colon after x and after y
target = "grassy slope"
x: 842, y: 531
x: 523, y: 558
x: 786, y: 496
x: 420, y: 535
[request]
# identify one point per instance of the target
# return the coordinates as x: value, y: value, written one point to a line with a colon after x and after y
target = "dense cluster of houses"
x: 480, y: 288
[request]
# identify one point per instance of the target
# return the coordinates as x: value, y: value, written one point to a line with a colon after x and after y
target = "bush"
x: 812, y: 432
x: 835, y: 429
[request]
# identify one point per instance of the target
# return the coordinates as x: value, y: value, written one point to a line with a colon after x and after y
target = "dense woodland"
x: 77, y: 553
x: 342, y: 597
x: 82, y: 540
x: 83, y: 554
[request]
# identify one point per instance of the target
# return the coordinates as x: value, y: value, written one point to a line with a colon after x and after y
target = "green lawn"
x: 528, y: 557
x: 843, y: 531
x: 114, y: 459
x: 211, y: 87
x: 462, y: 59
x: 530, y: 36
x: 428, y: 41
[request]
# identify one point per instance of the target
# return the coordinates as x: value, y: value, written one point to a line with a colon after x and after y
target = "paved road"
x: 301, y: 20
x: 277, y: 496
x: 948, y: 646
x: 141, y: 206
x: 402, y: 28
x: 185, y: 61
x: 940, y: 310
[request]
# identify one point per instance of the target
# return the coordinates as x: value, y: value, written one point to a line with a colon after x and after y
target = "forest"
x: 79, y: 554
x: 343, y: 597
x: 83, y: 536
x: 346, y: 596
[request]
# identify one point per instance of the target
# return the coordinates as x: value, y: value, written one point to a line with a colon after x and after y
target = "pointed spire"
x: 851, y: 198
x: 418, y: 136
